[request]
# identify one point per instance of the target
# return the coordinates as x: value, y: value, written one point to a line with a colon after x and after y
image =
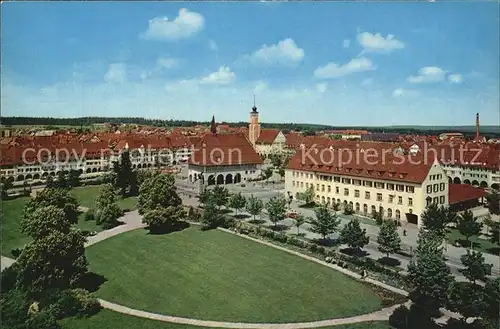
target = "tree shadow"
x: 179, y: 226
x: 241, y: 216
x: 354, y: 252
x: 327, y: 242
x: 279, y: 227
x: 225, y: 211
x: 308, y: 205
x: 257, y: 221
x: 92, y: 281
x: 494, y: 251
x: 389, y: 261
x: 467, y: 244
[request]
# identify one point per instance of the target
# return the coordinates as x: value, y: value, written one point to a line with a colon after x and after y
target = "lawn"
x: 12, y: 237
x: 107, y: 319
x: 86, y: 197
x: 482, y: 245
x: 214, y: 275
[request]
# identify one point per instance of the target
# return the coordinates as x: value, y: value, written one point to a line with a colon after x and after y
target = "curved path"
x: 381, y: 315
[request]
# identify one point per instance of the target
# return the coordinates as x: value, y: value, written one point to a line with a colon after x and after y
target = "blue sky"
x: 367, y: 63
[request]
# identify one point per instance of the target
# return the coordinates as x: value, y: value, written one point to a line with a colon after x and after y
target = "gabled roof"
x: 228, y: 149
x: 376, y: 165
x: 267, y: 136
x: 463, y: 192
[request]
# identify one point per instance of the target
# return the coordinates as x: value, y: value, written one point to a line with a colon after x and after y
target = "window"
x: 336, y: 179
x: 400, y: 188
x: 293, y: 173
x: 323, y: 188
x: 356, y: 193
x: 293, y: 183
x: 435, y: 188
x: 429, y: 189
x: 390, y: 187
x: 379, y: 196
x: 368, y: 183
x: 441, y: 187
x: 346, y: 192
x: 329, y: 188
x: 400, y: 200
x: 410, y: 202
x: 301, y: 184
x: 356, y: 182
x: 302, y: 175
x: 435, y: 200
x: 410, y: 189
x: 367, y: 195
x: 379, y: 185
x: 307, y: 185
x: 337, y: 190
x: 398, y: 214
x: 441, y: 199
x: 317, y: 187
x: 391, y: 198
x: 389, y: 213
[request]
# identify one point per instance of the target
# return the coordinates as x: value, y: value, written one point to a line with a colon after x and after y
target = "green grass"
x: 86, y: 197
x: 214, y: 275
x: 107, y: 319
x: 479, y: 244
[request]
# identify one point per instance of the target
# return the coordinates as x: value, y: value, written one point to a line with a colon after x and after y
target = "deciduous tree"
x: 299, y: 221
x: 493, y: 200
x: 57, y: 197
x: 237, y: 202
x: 352, y: 235
x: 106, y: 196
x: 388, y: 238
x: 475, y: 267
x: 254, y: 206
x: 220, y: 196
x: 74, y: 178
x: 307, y: 196
x: 45, y: 220
x: 276, y: 209
x: 162, y: 220
x: 325, y: 222
x: 468, y: 225
x: 158, y: 192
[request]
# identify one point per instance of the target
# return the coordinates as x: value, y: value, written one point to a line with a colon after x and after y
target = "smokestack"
x: 477, y: 126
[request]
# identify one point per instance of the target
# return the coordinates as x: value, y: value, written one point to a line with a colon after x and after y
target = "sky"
x: 334, y: 63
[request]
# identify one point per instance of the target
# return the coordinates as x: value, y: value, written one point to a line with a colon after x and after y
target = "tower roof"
x: 254, y: 108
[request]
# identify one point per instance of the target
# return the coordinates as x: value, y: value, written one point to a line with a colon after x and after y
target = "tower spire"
x: 477, y: 127
x: 254, y: 108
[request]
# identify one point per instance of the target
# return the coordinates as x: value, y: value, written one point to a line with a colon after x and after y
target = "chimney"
x: 477, y: 126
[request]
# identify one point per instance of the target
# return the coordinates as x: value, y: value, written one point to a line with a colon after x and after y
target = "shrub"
x: 14, y: 305
x: 16, y: 252
x: 313, y: 247
x: 67, y: 303
x: 88, y: 304
x: 42, y: 320
x: 89, y: 215
x: 321, y: 250
x: 9, y: 278
x: 398, y: 318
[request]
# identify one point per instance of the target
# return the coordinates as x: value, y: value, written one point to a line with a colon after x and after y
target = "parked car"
x: 292, y: 214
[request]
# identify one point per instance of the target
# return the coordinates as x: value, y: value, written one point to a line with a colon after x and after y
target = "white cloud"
x: 212, y: 45
x: 117, y: 73
x: 285, y: 52
x: 400, y: 92
x: 334, y: 70
x: 428, y: 74
x: 185, y: 25
x: 378, y: 43
x: 321, y: 87
x: 167, y: 62
x: 456, y: 78
x: 223, y: 76
x: 346, y: 43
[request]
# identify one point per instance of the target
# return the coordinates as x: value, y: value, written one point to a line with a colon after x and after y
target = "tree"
x: 388, y: 238
x: 237, y: 202
x: 254, y: 206
x: 276, y: 209
x: 159, y: 191
x: 276, y: 160
x: 193, y: 215
x: 299, y: 220
x: 62, y: 182
x: 45, y: 220
x: 268, y: 172
x: 493, y: 200
x: 162, y: 220
x: 108, y: 215
x: 466, y: 298
x: 57, y: 197
x: 353, y: 235
x: 158, y: 195
x: 49, y: 182
x: 106, y: 196
x: 494, y: 231
x: 6, y: 186
x: 220, y: 196
x: 124, y: 177
x: 74, y: 178
x: 282, y: 173
x: 378, y: 217
x: 307, y: 196
x: 325, y: 222
x: 429, y: 275
x: 204, y: 196
x: 56, y: 260
x: 433, y: 218
x: 212, y: 217
x: 491, y: 298
x: 468, y: 225
x: 475, y: 267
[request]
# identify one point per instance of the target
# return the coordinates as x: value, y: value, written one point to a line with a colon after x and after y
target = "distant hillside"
x: 487, y: 131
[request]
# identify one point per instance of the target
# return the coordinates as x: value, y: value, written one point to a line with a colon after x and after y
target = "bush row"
x: 355, y: 264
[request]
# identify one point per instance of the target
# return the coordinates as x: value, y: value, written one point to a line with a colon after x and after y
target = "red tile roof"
x: 228, y: 149
x: 462, y: 192
x: 375, y: 165
x: 267, y: 136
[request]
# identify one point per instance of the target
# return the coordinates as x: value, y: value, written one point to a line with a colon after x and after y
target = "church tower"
x: 213, y: 126
x: 253, y: 126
